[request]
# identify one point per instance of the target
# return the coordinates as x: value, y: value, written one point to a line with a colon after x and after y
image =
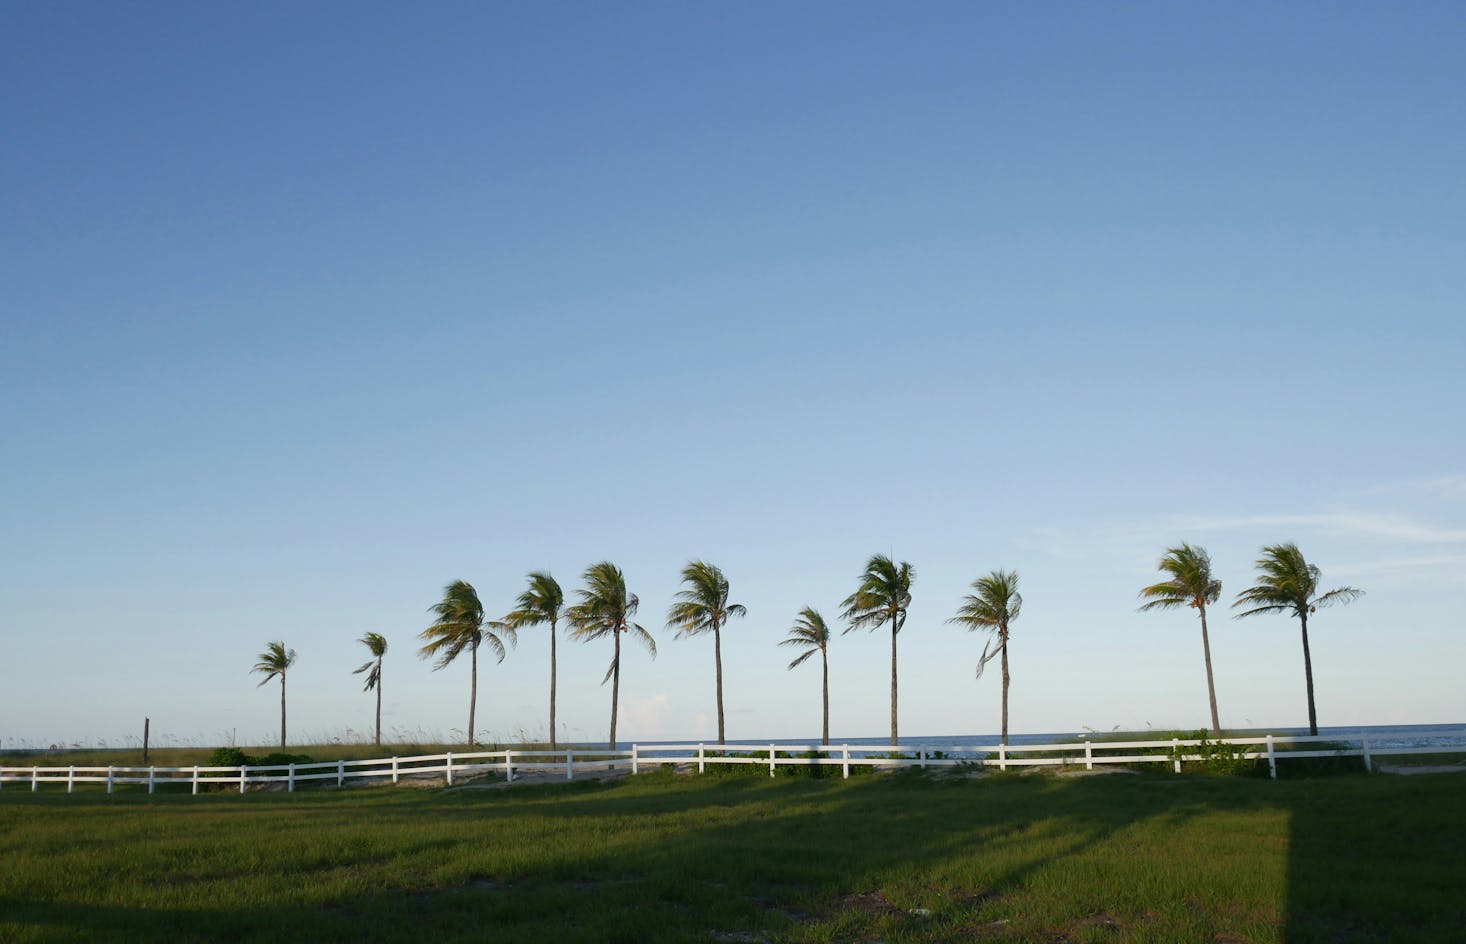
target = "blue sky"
x: 309, y: 311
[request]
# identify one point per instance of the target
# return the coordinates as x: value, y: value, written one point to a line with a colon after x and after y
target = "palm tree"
x: 460, y: 625
x: 274, y: 661
x: 1287, y: 583
x: 884, y: 594
x: 606, y: 607
x: 541, y: 603
x: 811, y: 633
x: 702, y: 606
x: 1191, y: 584
x: 376, y: 643
x: 993, y: 607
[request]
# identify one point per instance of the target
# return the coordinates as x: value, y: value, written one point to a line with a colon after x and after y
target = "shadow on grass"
x: 662, y: 857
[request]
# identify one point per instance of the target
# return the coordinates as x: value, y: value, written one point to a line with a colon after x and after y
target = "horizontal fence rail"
x: 454, y: 767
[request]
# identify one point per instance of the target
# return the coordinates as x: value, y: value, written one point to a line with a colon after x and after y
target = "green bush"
x: 229, y: 757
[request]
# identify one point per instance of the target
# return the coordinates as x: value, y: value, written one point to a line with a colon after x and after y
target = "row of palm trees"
x: 1286, y: 583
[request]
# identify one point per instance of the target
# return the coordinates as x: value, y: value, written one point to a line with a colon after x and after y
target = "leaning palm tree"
x: 538, y: 605
x: 993, y: 607
x: 460, y: 625
x: 606, y: 607
x: 1287, y: 583
x: 883, y: 595
x: 376, y: 644
x: 1190, y: 584
x: 274, y: 661
x: 702, y: 606
x: 810, y: 633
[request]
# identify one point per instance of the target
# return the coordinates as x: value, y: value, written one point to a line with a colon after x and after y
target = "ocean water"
x: 1381, y: 736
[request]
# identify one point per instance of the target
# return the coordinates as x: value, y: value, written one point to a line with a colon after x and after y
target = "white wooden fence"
x: 455, y: 767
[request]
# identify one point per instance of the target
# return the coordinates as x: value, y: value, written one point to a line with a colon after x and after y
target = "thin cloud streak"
x: 1387, y: 527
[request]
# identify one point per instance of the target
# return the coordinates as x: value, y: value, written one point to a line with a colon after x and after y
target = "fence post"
x: 71, y: 778
x: 1088, y: 755
x: 771, y: 760
x: 152, y: 778
x: 35, y: 779
x: 1002, y: 757
x: 396, y: 773
x: 449, y: 765
x: 1272, y: 759
x: 1176, y: 752
x: 634, y: 764
x: 341, y: 773
x: 702, y: 763
x: 847, y: 762
x: 569, y: 764
x: 290, y: 787
x: 195, y: 779
x: 1368, y: 760
x: 109, y: 778
x: 509, y: 765
x: 243, y: 776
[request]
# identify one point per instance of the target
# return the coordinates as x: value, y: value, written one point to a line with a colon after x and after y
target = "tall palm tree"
x: 995, y: 604
x: 274, y: 661
x: 883, y: 595
x: 376, y: 644
x: 606, y: 607
x: 1190, y: 584
x: 1286, y: 583
x: 460, y: 625
x: 702, y: 605
x: 811, y: 634
x: 541, y: 603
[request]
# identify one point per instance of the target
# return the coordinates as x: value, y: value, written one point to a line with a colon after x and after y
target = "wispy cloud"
x: 1355, y: 524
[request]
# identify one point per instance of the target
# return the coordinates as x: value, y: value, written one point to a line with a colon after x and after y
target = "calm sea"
x: 1380, y: 736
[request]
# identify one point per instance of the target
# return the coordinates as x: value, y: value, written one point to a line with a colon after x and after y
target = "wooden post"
x: 341, y: 773
x: 152, y: 778
x: 71, y: 779
x: 569, y: 764
x: 146, y: 722
x: 1002, y: 757
x: 243, y: 777
x: 1272, y: 759
x: 109, y: 778
x: 1368, y: 760
x: 449, y: 765
x: 846, y: 765
x: 290, y: 788
x: 195, y: 780
x: 35, y: 779
x: 702, y: 758
x: 508, y: 765
x: 1088, y: 755
x: 634, y: 764
x: 771, y: 760
x: 923, y: 758
x: 1176, y: 753
x: 396, y: 772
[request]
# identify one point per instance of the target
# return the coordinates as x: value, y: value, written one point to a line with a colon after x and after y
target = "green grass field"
x: 1125, y: 857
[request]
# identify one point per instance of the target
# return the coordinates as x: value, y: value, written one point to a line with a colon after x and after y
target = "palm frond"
x: 702, y: 603
x: 884, y: 594
x: 1338, y: 597
x: 994, y: 605
x: 459, y: 625
x: 636, y: 631
x: 798, y: 661
x: 541, y: 603
x: 275, y: 660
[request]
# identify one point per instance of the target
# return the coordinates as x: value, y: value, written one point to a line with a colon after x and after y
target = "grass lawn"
x: 1147, y: 857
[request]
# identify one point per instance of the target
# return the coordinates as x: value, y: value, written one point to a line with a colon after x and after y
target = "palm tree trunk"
x: 379, y: 703
x: 282, y: 710
x: 1308, y: 676
x: 1005, y: 687
x: 825, y: 666
x: 718, y: 658
x: 1211, y: 686
x: 472, y: 693
x: 894, y: 739
x: 552, y: 685
x: 615, y: 684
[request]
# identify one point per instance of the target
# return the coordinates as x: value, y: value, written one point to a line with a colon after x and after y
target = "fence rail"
x: 453, y: 766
